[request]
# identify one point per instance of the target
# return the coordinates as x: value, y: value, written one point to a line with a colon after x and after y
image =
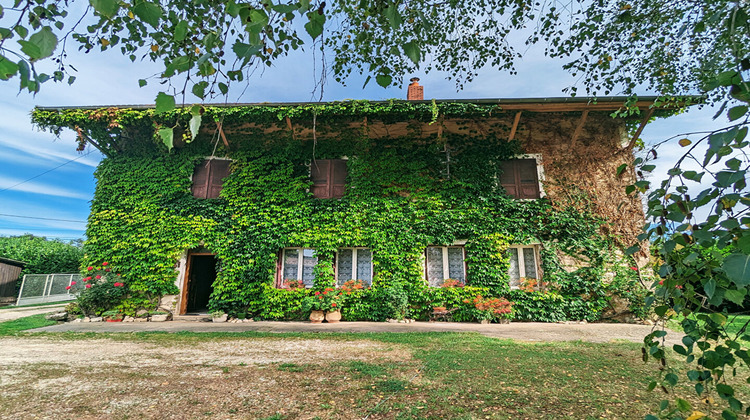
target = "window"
x: 354, y: 264
x: 298, y: 264
x: 523, y: 264
x: 328, y: 177
x: 208, y: 177
x: 445, y: 262
x: 520, y: 178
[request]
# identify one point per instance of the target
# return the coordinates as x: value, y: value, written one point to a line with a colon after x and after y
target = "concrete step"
x: 192, y: 318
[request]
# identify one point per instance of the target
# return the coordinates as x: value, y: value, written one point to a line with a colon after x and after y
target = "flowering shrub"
x: 329, y: 299
x: 452, y: 283
x: 490, y: 309
x: 352, y: 286
x: 529, y: 285
x: 104, y: 290
x: 293, y: 284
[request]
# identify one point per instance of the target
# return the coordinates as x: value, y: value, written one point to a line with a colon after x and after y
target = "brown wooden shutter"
x: 338, y: 178
x: 200, y: 179
x: 319, y: 174
x: 219, y: 171
x: 519, y: 178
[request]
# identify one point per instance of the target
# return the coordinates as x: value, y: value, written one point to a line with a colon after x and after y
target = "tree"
x: 670, y: 47
x: 42, y: 255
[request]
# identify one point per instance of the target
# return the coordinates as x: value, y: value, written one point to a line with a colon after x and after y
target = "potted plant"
x: 219, y: 316
x: 487, y: 310
x: 112, y: 316
x: 327, y: 301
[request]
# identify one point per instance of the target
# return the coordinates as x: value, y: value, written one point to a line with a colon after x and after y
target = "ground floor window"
x: 354, y: 264
x: 298, y: 264
x: 524, y: 264
x: 445, y: 262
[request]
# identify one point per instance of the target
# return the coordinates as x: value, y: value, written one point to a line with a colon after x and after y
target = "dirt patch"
x: 225, y: 378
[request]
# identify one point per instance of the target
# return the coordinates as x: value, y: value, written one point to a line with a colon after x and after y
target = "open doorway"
x: 199, y: 279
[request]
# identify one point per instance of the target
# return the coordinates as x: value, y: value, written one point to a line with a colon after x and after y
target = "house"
x: 10, y: 270
x: 523, y: 198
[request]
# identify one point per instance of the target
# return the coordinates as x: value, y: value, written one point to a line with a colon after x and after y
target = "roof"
x: 16, y: 263
x: 550, y: 104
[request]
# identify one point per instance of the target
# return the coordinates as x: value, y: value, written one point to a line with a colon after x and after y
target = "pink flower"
x: 88, y: 286
x: 119, y: 284
x: 107, y: 270
x: 98, y: 276
x: 678, y: 286
x: 87, y: 278
x: 67, y: 287
x: 73, y: 282
x: 317, y: 293
x: 105, y: 263
x: 89, y: 268
x: 634, y: 268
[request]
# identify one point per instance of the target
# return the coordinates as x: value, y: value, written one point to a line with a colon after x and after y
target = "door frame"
x: 186, y: 279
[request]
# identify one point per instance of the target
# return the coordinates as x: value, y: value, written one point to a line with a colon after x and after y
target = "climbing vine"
x: 402, y: 195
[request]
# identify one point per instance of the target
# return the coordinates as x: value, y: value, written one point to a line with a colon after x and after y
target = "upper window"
x: 328, y: 177
x: 298, y: 264
x: 445, y: 262
x: 523, y: 264
x: 354, y: 264
x: 208, y: 177
x: 520, y: 178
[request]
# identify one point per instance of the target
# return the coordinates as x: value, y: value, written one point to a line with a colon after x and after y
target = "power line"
x: 45, y: 172
x: 42, y: 218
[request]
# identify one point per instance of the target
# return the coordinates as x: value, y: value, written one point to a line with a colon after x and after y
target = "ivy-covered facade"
x: 401, y: 195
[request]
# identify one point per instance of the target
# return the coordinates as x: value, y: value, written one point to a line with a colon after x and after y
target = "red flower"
x: 320, y: 297
x: 317, y: 293
x: 108, y: 270
x: 634, y: 268
x: 333, y: 304
x: 678, y: 286
x: 88, y: 286
x: 67, y: 287
x: 105, y: 263
x: 87, y: 278
x: 326, y: 292
x: 119, y: 274
x: 72, y: 282
x: 661, y: 282
x: 98, y: 276
x: 119, y: 284
x: 89, y: 268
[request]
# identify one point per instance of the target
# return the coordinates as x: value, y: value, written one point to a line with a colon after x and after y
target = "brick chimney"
x: 415, y: 92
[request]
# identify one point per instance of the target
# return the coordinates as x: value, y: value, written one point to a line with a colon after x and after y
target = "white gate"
x: 41, y: 288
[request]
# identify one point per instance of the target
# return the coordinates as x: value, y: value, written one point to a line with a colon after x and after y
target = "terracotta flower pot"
x: 334, y: 316
x: 316, y: 317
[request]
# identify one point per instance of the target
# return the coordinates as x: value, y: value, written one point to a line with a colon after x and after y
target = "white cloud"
x: 39, y: 188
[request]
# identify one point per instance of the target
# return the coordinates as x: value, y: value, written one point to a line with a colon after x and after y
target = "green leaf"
x: 142, y: 82
x: 8, y: 68
x: 167, y: 136
x: 411, y: 49
x: 223, y: 88
x: 737, y: 112
x: 383, y: 80
x: 40, y: 45
x: 148, y: 12
x: 648, y: 168
x: 621, y: 169
x: 21, y: 31
x: 392, y: 14
x: 737, y: 268
x: 195, y: 125
x: 106, y: 8
x: 683, y: 405
x: 735, y: 296
x: 164, y: 103
x: 245, y: 51
x: 199, y: 89
x: 180, y: 31
x: 671, y: 379
x: 710, y: 288
x: 717, y: 318
x: 724, y: 390
x: 315, y: 25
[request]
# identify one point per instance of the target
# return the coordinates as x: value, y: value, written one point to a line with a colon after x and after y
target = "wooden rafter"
x: 579, y: 128
x: 290, y: 127
x: 91, y: 141
x: 515, y: 126
x: 440, y: 121
x: 221, y: 133
x: 637, y: 134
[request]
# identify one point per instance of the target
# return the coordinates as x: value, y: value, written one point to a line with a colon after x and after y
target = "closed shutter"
x: 319, y: 171
x: 519, y: 178
x: 200, y: 179
x: 219, y: 171
x: 328, y: 177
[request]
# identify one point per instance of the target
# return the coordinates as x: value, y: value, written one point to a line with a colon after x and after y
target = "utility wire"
x: 42, y: 218
x: 45, y: 172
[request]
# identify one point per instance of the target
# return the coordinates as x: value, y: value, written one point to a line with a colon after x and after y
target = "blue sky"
x: 43, y: 177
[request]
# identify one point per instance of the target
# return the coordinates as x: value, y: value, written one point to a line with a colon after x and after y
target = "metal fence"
x: 41, y: 288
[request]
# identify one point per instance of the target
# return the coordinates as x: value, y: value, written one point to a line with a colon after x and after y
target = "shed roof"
x: 9, y: 261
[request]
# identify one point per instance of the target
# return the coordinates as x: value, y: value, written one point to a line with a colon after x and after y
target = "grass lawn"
x: 735, y: 323
x: 318, y: 376
x: 36, y: 304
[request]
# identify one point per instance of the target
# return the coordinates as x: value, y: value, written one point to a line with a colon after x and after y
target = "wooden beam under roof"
x: 515, y: 126
x: 644, y: 121
x: 579, y: 128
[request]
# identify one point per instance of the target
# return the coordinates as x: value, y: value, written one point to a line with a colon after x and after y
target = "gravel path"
x: 524, y: 331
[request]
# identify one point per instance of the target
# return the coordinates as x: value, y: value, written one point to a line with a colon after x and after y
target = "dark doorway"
x: 201, y: 276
